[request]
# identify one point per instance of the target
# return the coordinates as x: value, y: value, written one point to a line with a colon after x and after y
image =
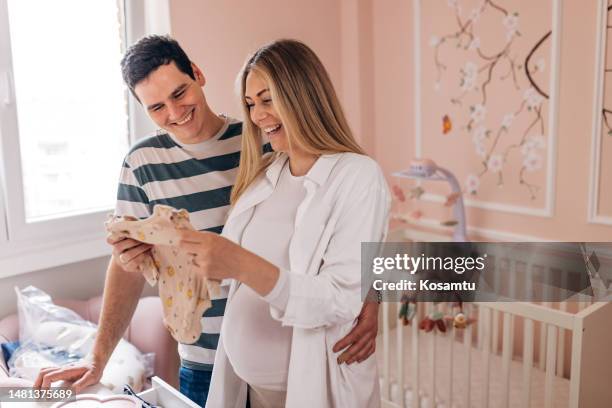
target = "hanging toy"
x: 416, y: 192
x: 407, y: 310
x: 398, y: 193
x: 432, y: 321
x: 459, y: 319
x: 426, y: 324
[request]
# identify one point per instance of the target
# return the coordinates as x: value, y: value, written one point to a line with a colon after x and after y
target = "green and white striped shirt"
x: 197, y: 177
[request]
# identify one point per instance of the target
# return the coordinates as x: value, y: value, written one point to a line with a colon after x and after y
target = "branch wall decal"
x: 477, y: 75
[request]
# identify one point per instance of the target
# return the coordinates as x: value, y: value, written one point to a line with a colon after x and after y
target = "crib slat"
x: 467, y: 342
x: 495, y: 341
x: 386, y: 368
x: 543, y: 333
x: 416, y: 399
x: 506, y: 359
x: 561, y: 350
x: 551, y: 353
x: 400, y: 363
x: 497, y: 286
x: 527, y: 362
x: 542, y: 354
x: 487, y: 355
x: 513, y: 280
x: 480, y: 328
x: 432, y: 364
x: 451, y: 339
x: 528, y: 284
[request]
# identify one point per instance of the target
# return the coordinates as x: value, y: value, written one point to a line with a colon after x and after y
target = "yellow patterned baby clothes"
x: 184, y: 293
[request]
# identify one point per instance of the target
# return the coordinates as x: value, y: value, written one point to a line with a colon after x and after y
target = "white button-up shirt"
x: 347, y: 202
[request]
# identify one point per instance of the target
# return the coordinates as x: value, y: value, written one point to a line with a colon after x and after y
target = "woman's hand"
x: 219, y: 258
x: 215, y: 255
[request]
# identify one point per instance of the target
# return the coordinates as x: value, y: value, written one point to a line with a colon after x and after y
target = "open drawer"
x: 166, y: 396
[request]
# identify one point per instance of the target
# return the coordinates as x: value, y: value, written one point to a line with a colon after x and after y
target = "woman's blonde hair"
x: 306, y: 102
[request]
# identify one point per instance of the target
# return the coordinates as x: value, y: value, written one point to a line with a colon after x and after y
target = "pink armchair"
x: 146, y: 331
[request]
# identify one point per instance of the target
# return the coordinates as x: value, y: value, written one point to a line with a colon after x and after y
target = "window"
x: 70, y: 101
x: 64, y: 126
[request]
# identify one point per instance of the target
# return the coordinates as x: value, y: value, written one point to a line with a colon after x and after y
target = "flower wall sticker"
x: 484, y: 37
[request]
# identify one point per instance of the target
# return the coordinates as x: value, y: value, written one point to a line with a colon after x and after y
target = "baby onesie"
x: 185, y: 294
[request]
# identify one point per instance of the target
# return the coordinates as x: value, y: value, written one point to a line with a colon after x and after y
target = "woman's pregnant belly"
x: 257, y: 346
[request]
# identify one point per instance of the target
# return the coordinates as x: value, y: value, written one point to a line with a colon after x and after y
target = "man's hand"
x: 362, y: 338
x: 128, y: 252
x: 82, y: 374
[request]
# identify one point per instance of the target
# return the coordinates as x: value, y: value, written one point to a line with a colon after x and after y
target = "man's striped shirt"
x: 196, y: 177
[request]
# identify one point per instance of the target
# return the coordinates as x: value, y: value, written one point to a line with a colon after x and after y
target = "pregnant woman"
x: 291, y: 245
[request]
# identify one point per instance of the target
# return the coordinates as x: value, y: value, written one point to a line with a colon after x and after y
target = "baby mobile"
x: 408, y: 309
x: 434, y: 320
x: 414, y: 194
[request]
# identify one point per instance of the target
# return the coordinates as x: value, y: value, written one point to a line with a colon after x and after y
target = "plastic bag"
x: 41, y: 325
x: 36, y: 307
x: 52, y: 335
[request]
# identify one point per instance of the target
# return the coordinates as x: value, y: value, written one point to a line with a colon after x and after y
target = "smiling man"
x: 190, y: 163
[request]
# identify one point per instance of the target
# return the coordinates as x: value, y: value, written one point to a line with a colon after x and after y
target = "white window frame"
x: 25, y: 247
x: 3, y: 224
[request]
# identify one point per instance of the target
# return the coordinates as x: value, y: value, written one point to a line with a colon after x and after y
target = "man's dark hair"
x: 148, y: 54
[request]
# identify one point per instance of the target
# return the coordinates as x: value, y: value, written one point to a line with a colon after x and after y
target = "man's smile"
x: 185, y: 119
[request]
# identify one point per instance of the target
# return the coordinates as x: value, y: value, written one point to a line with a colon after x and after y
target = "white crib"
x: 563, y: 359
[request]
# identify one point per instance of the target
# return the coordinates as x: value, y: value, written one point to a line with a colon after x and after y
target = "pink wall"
x: 367, y: 46
x: 219, y: 35
x: 394, y: 118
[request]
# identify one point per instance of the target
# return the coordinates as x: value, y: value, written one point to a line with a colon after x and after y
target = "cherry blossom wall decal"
x: 526, y: 139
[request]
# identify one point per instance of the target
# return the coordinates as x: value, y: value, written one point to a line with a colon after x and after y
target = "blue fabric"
x: 8, y: 349
x: 194, y: 384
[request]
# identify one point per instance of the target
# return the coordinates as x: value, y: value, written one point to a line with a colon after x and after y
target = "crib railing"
x: 551, y: 323
x: 590, y: 327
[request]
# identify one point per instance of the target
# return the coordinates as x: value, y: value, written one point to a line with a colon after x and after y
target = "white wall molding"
x: 416, y: 15
x: 600, y: 64
x: 492, y: 206
x: 486, y: 233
